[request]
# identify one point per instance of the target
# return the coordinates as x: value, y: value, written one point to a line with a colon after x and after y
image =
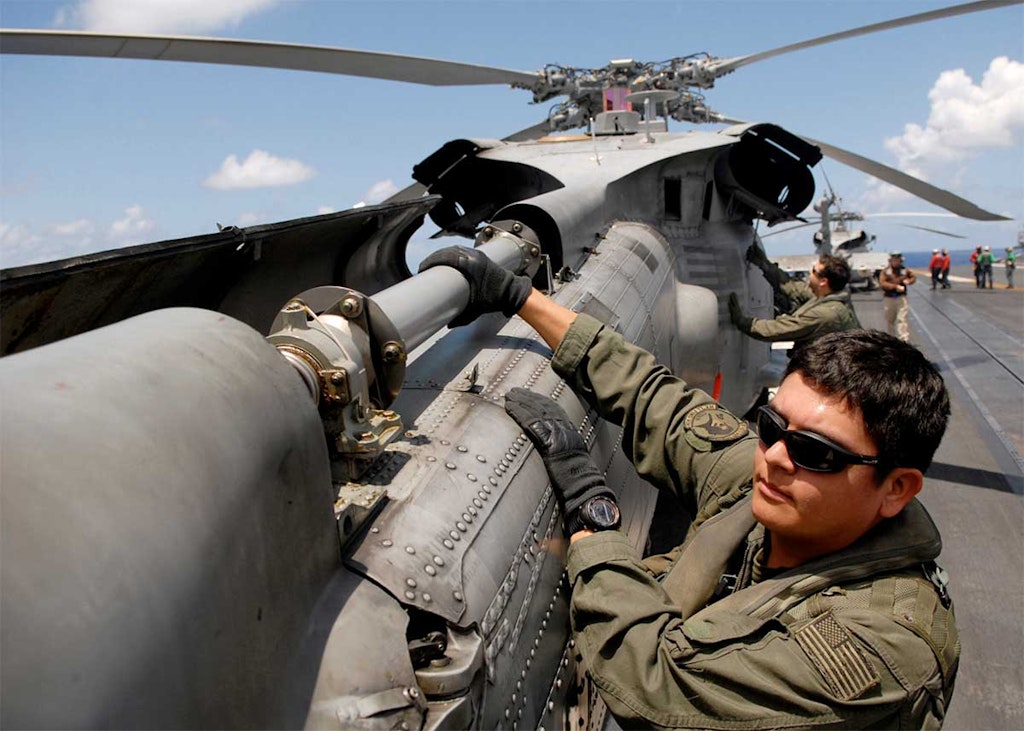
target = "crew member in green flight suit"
x: 825, y: 306
x: 805, y: 592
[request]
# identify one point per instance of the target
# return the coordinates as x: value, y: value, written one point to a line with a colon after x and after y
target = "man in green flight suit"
x: 822, y: 305
x: 805, y: 592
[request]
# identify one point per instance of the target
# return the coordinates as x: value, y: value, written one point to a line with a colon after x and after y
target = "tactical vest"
x: 890, y: 570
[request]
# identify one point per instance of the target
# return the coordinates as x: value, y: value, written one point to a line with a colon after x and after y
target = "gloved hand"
x: 492, y: 288
x: 756, y: 256
x: 574, y: 477
x: 739, y: 318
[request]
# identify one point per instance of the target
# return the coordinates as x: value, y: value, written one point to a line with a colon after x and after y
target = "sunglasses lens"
x: 813, y: 455
x: 769, y: 430
x: 803, y: 449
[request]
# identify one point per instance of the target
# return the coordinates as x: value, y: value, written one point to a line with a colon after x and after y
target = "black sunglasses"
x: 808, y: 450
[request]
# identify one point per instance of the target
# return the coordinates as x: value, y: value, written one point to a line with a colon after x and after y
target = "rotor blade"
x: 925, y: 191
x: 899, y: 214
x: 791, y: 228
x: 933, y: 231
x: 725, y: 66
x: 195, y: 49
x: 530, y: 133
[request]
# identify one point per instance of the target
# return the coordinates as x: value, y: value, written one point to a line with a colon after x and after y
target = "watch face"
x: 601, y: 513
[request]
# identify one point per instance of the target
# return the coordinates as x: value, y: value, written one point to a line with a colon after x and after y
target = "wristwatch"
x: 597, y: 513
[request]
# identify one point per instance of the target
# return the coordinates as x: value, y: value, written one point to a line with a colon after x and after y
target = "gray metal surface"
x: 472, y: 532
x: 974, y: 488
x: 246, y: 273
x: 167, y: 528
x: 418, y: 307
x: 925, y: 191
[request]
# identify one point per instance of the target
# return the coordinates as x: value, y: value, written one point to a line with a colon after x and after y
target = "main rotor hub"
x: 592, y: 91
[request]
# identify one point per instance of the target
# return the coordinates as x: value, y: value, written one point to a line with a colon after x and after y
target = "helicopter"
x: 853, y: 244
x: 249, y: 477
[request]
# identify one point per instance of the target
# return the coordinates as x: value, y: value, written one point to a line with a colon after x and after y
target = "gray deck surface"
x: 975, y: 486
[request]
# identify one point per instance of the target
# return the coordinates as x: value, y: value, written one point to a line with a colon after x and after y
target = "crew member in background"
x: 946, y: 261
x: 975, y: 255
x: 894, y: 282
x: 826, y: 307
x: 935, y: 265
x: 985, y: 262
x: 788, y: 292
x: 1010, y: 262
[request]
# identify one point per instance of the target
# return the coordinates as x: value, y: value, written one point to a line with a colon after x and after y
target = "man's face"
x: 817, y: 283
x: 810, y: 513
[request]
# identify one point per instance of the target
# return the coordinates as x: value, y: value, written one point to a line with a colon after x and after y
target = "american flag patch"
x: 832, y: 650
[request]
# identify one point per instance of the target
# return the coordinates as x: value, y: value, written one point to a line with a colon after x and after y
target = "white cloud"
x: 133, y: 224
x: 81, y: 227
x: 259, y: 170
x: 377, y: 193
x: 880, y: 196
x: 321, y: 210
x: 965, y: 118
x: 18, y: 245
x: 251, y: 218
x: 158, y: 16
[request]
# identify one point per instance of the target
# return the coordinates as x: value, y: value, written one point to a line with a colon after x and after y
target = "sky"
x: 97, y: 154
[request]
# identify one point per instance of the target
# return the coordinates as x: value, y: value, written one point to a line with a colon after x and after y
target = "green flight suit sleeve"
x: 788, y: 293
x: 817, y: 319
x: 678, y: 437
x: 655, y: 670
x: 797, y: 291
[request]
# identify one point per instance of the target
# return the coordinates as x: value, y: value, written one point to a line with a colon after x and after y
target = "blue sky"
x: 102, y: 153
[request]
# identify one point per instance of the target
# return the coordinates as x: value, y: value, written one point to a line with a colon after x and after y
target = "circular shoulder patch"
x: 712, y: 423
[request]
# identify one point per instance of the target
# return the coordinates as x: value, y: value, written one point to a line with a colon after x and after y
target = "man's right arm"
x: 675, y: 435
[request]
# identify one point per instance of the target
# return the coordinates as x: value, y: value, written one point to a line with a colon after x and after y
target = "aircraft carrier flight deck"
x: 975, y: 486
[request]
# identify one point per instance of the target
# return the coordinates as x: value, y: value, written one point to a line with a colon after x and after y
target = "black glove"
x: 756, y: 256
x: 739, y: 318
x: 492, y: 288
x: 574, y: 478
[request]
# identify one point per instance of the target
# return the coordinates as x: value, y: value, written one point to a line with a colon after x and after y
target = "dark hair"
x: 899, y: 393
x: 835, y: 270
